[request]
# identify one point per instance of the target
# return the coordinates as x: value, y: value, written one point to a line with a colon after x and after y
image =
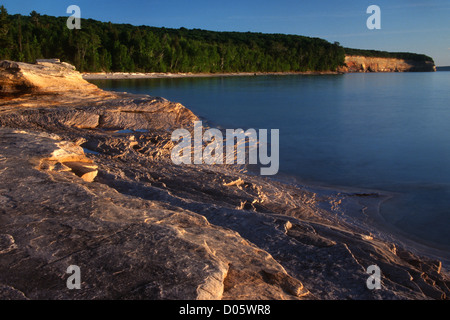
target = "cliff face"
x: 369, y: 64
x: 46, y: 76
x: 87, y: 180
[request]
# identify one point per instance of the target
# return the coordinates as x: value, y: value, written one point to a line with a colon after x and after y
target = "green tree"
x: 123, y: 47
x: 4, y: 30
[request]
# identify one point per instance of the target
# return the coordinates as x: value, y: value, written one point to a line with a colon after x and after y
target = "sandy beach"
x: 159, y: 75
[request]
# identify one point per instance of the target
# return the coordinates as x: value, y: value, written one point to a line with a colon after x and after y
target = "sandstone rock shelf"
x: 140, y: 227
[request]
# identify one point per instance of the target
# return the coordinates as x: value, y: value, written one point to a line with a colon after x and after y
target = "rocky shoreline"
x: 355, y: 64
x: 86, y: 179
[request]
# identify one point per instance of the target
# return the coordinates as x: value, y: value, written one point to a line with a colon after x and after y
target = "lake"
x: 384, y: 131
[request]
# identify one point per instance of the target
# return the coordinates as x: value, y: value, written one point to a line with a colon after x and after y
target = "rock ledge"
x: 86, y: 179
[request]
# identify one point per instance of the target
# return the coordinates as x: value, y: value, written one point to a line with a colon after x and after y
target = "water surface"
x: 389, y: 132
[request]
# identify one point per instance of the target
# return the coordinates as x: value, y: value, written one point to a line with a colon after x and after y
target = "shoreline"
x: 383, y: 229
x: 169, y: 75
x: 372, y: 200
x: 92, y: 170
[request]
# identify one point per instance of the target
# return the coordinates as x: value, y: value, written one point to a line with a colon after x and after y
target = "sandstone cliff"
x: 86, y: 179
x: 370, y: 64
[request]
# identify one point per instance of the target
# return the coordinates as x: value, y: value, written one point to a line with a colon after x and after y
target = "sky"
x: 420, y: 26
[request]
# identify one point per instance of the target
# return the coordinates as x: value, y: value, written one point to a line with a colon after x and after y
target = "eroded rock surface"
x: 372, y: 64
x: 42, y: 77
x: 140, y: 227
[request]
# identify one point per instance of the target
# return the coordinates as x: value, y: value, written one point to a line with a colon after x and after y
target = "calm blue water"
x: 380, y: 131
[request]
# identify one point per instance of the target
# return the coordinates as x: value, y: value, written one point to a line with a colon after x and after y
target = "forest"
x: 108, y: 47
x: 385, y: 54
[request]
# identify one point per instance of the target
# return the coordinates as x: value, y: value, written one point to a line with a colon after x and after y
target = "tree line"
x: 386, y: 54
x: 105, y: 46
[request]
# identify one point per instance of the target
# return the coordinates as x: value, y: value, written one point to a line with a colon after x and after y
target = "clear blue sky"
x: 421, y: 26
